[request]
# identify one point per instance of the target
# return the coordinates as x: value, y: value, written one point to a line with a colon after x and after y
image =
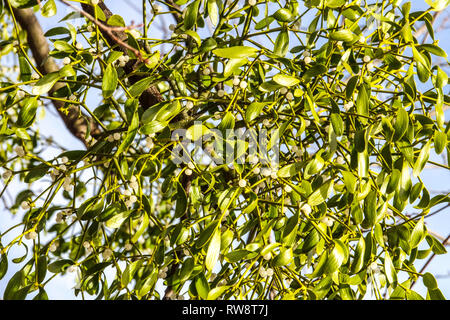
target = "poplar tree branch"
x: 74, y: 120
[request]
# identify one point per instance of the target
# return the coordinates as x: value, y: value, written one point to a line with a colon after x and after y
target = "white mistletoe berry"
x: 7, y: 174
x: 189, y: 105
x: 242, y: 183
x: 25, y: 205
x: 66, y: 60
x: 116, y: 136
x: 289, y: 96
x: 19, y: 151
x: 107, y: 253
x: 236, y: 81
x: 306, y: 209
x: 366, y: 59
x: 243, y: 84
x: 252, y: 2
x: 307, y: 60
x: 188, y: 172
x: 31, y: 235
x: 128, y: 246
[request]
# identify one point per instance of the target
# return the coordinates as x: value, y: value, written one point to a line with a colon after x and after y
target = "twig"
x: 109, y: 30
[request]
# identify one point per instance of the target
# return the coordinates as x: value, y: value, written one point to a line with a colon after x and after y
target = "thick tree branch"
x: 74, y: 121
x: 151, y: 95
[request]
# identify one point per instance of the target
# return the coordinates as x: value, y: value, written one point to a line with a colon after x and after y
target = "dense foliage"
x: 330, y: 205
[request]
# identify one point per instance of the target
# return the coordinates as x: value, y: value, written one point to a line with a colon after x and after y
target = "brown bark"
x: 73, y: 119
x: 151, y: 95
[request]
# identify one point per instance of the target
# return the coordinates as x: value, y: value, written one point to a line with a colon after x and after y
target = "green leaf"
x: 3, y: 265
x: 42, y: 295
x: 117, y: 220
x: 142, y: 228
x: 236, y: 52
x: 27, y: 113
x: 370, y: 210
x: 418, y: 234
x: 136, y: 89
x: 60, y: 265
x: 389, y: 269
x: 206, y: 234
x: 440, y: 141
x: 63, y: 46
x: 237, y: 255
x: 438, y: 5
x: 358, y: 260
x: 202, y: 286
x: 116, y: 20
x: 129, y: 272
x: 228, y: 121
x: 233, y: 66
x: 283, y: 15
x: 344, y: 35
x: 362, y: 103
x: 110, y: 80
x: 190, y: 18
x: 25, y: 69
x: 148, y: 283
x: 131, y: 133
x: 49, y: 9
x: 334, y: 3
x: 212, y: 254
x: 194, y: 36
x: 422, y: 159
x: 186, y: 269
x: 213, y: 11
x: 283, y: 258
x: 181, y: 205
x: 401, y: 124
x: 216, y: 292
x: 13, y: 286
x: 254, y: 110
x: 41, y: 268
x: 290, y: 170
x: 314, y: 71
x: 265, y: 22
x: 281, y: 46
x: 350, y: 88
x: 434, y: 49
x: 23, y: 3
x: 45, y: 83
x: 337, y: 123
x: 319, y: 195
x: 436, y: 294
x: 429, y: 281
x: 335, y: 259
x: 285, y: 80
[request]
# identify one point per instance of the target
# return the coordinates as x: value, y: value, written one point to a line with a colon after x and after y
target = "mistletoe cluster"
x: 339, y: 213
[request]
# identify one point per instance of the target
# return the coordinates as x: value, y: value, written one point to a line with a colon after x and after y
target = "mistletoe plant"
x: 252, y: 150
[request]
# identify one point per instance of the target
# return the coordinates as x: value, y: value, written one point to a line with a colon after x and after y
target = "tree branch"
x: 151, y: 95
x: 75, y: 123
